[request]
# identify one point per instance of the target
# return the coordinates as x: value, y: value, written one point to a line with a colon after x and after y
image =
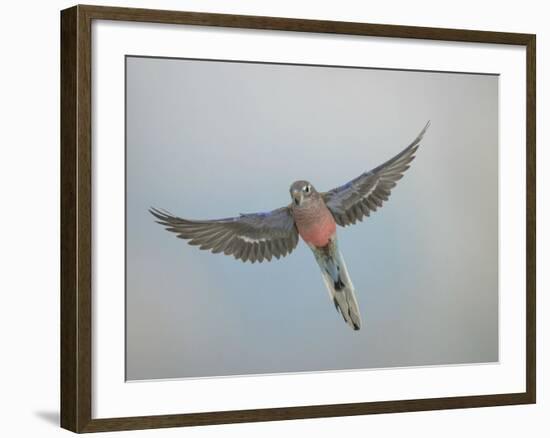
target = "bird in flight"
x: 312, y: 215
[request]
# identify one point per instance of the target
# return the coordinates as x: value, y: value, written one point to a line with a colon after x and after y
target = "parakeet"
x: 313, y: 216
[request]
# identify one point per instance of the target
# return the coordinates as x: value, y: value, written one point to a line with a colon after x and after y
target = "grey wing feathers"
x: 366, y: 193
x: 248, y: 237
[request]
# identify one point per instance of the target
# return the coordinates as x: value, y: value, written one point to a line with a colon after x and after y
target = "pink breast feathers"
x: 318, y: 231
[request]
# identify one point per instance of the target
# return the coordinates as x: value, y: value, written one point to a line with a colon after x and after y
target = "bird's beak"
x: 297, y: 196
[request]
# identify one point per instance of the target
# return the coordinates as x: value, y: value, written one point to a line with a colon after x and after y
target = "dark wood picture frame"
x: 76, y: 218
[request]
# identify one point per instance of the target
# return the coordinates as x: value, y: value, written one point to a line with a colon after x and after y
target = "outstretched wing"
x: 364, y: 194
x: 249, y: 237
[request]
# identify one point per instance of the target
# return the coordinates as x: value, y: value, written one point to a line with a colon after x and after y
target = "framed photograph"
x: 271, y: 218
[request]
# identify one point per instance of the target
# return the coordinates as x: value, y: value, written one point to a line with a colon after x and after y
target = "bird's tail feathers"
x: 338, y: 283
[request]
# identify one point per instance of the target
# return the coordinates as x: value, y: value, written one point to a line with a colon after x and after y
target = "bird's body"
x: 315, y: 223
x: 313, y: 216
x: 317, y: 227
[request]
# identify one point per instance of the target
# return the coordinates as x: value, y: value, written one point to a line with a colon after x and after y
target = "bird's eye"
x: 307, y: 189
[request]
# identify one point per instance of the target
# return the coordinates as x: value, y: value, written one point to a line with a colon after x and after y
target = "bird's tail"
x: 339, y: 285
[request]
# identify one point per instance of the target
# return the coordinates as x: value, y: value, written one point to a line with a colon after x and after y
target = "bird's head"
x: 301, y: 192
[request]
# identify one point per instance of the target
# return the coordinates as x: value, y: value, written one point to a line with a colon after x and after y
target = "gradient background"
x: 214, y: 139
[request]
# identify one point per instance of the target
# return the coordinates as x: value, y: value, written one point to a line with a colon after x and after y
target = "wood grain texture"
x: 69, y: 328
x: 76, y: 219
x: 76, y: 186
x: 531, y: 218
x: 301, y: 25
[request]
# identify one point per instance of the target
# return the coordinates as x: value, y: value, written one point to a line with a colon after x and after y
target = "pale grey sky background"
x: 212, y: 139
